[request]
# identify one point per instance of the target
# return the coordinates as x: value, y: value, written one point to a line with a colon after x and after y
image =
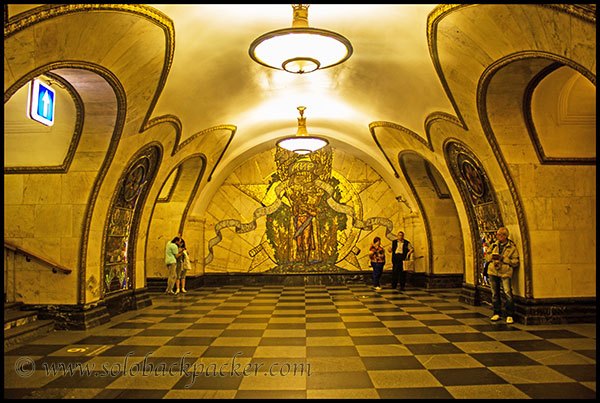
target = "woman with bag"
x: 377, y: 256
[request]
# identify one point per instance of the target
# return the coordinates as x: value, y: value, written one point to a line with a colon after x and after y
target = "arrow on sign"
x: 46, y: 102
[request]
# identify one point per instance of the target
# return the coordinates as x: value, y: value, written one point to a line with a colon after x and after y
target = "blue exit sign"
x: 41, y: 103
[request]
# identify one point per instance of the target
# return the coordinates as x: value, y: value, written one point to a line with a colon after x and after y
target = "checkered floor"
x: 307, y: 342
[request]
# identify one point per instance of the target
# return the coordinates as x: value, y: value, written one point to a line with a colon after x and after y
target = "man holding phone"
x: 504, y: 258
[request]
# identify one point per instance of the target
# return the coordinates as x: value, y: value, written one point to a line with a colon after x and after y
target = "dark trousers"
x: 506, y: 283
x: 377, y: 270
x: 398, y: 273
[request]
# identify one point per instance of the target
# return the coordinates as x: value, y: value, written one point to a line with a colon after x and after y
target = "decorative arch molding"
x: 120, y: 96
x: 528, y: 117
x: 478, y: 196
x: 482, y: 89
x: 194, y: 189
x: 420, y: 205
x: 178, y: 167
x: 167, y: 198
x: 123, y: 219
x: 79, y: 120
x: 404, y: 130
x: 583, y: 12
x: 36, y: 15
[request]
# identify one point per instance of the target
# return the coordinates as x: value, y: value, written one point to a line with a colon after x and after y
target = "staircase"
x: 20, y: 326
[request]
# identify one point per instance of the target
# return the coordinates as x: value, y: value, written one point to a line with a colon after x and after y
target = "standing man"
x: 171, y: 255
x: 504, y: 257
x: 401, y: 250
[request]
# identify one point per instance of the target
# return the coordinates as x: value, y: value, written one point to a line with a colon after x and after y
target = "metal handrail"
x: 54, y: 266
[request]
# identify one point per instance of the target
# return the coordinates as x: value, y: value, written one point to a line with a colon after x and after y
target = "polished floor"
x: 307, y: 342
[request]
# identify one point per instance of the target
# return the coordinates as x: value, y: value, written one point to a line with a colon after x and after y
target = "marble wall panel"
x: 41, y: 189
x: 572, y: 213
x: 524, y: 180
x: 69, y: 252
x: 13, y: 189
x: 555, y: 181
x: 577, y: 247
x: 76, y: 187
x: 539, y: 213
x: 552, y: 279
x: 545, y: 247
x: 54, y: 220
x: 583, y: 279
x: 86, y: 162
x: 19, y: 221
x: 44, y: 246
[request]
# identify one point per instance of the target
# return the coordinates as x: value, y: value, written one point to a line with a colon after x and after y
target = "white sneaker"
x: 509, y: 319
x: 183, y: 290
x: 378, y: 288
x: 495, y: 318
x: 177, y: 291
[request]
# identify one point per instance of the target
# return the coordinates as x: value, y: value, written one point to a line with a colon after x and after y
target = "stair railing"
x: 56, y: 268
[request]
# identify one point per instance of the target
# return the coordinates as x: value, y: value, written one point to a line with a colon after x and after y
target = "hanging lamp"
x: 300, y: 49
x: 302, y: 142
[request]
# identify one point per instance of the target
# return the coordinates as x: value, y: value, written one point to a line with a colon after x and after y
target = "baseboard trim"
x: 423, y: 280
x: 82, y: 317
x: 538, y: 311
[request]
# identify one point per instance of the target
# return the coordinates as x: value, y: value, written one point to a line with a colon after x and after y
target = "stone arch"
x: 168, y: 217
x: 478, y: 197
x: 442, y: 224
x: 123, y: 219
x: 525, y: 168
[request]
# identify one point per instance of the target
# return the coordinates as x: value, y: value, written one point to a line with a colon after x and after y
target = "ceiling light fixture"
x: 302, y: 143
x: 300, y: 49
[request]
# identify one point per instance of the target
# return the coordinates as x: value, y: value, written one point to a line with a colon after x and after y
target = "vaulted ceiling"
x: 403, y: 57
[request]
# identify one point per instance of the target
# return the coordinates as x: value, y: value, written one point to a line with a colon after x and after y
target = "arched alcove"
x: 555, y: 197
x: 121, y: 228
x: 169, y: 214
x: 444, y: 239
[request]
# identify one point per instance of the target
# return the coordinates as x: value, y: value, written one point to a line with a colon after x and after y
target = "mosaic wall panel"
x: 478, y: 196
x: 128, y: 200
x: 287, y: 213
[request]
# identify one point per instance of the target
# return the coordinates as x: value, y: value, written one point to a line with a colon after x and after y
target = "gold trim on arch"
x: 584, y: 12
x: 79, y: 118
x: 171, y: 190
x: 374, y: 125
x: 132, y: 160
x: 120, y: 96
x: 436, y: 187
x: 231, y: 128
x: 482, y: 87
x: 45, y: 12
x: 419, y: 204
x: 188, y: 204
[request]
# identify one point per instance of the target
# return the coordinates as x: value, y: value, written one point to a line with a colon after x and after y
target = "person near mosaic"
x: 377, y: 256
x: 401, y: 250
x: 183, y: 265
x: 171, y: 255
x: 504, y: 258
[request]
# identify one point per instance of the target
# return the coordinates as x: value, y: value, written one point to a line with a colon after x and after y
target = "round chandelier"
x: 300, y: 49
x: 302, y: 142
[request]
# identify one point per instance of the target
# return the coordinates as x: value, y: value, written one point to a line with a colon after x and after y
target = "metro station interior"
x: 129, y: 125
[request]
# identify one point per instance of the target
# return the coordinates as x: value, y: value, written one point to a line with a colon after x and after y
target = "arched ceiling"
x: 390, y: 76
x: 214, y: 81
